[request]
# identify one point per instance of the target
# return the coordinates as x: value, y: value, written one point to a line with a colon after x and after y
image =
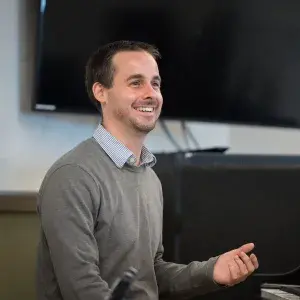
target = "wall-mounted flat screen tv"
x: 229, y: 61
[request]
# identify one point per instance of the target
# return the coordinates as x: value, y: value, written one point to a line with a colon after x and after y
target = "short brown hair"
x: 100, y: 69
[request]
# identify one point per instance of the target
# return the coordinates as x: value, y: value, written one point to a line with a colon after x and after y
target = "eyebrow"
x: 140, y: 76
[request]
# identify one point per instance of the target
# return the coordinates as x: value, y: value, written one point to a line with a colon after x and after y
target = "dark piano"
x: 216, y: 202
x: 280, y: 291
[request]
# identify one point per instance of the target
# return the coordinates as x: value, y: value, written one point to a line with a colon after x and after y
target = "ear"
x: 99, y: 92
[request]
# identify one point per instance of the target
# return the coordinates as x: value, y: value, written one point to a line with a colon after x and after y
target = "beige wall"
x: 18, y: 241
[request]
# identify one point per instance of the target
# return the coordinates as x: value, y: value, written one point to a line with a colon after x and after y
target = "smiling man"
x: 101, y: 204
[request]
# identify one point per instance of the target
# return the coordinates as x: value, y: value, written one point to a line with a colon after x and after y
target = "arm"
x: 68, y: 204
x: 184, y: 281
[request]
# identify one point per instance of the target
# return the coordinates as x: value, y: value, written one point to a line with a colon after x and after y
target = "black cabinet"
x: 217, y: 202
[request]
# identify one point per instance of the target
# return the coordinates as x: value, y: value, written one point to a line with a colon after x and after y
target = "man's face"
x: 135, y: 98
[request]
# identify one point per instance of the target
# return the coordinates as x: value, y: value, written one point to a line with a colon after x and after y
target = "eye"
x: 135, y: 83
x: 156, y: 84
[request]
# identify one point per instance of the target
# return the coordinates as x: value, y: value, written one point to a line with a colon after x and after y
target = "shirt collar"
x: 118, y: 152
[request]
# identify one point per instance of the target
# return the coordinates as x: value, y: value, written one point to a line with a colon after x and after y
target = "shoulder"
x: 86, y: 159
x: 153, y: 176
x: 69, y: 185
x: 82, y: 154
x: 156, y: 186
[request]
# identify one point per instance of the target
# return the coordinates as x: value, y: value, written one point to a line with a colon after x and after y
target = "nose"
x: 149, y: 91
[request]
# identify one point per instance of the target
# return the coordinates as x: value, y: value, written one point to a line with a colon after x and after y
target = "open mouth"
x: 145, y: 109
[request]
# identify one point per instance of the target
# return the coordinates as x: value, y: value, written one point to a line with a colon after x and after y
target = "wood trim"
x: 17, y: 202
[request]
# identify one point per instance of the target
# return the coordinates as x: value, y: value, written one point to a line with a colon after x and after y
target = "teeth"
x: 147, y: 109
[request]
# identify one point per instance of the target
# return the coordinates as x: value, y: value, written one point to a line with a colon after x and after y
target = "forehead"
x: 129, y: 62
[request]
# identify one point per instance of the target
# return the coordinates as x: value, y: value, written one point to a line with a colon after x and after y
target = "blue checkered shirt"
x: 118, y: 152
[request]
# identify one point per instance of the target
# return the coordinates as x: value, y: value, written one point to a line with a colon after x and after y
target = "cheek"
x: 160, y: 99
x: 121, y: 112
x: 119, y: 99
x: 126, y: 98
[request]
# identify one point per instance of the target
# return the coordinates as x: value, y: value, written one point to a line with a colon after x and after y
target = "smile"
x: 145, y: 109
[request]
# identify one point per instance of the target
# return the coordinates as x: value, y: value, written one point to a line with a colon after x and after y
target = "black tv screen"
x: 222, y: 61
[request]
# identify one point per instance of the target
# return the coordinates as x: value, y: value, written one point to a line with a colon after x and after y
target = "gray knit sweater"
x: 97, y: 220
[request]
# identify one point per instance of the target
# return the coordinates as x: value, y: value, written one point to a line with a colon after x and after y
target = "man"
x: 101, y: 205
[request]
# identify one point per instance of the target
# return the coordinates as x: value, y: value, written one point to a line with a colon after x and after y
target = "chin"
x: 144, y: 127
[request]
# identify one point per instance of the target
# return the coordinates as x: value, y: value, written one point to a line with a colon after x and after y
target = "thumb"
x: 246, y: 248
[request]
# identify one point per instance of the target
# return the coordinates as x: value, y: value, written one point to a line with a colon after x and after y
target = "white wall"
x: 263, y: 140
x: 30, y: 141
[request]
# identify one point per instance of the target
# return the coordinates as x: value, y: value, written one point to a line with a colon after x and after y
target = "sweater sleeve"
x: 184, y: 281
x: 68, y: 204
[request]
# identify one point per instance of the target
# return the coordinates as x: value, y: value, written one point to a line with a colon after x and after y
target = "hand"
x: 235, y: 266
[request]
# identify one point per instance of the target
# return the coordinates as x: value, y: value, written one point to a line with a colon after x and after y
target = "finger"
x: 246, y: 248
x: 234, y: 272
x: 243, y: 268
x: 248, y: 262
x: 254, y: 260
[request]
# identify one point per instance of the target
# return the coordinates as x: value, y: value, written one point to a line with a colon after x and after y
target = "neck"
x: 132, y: 140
